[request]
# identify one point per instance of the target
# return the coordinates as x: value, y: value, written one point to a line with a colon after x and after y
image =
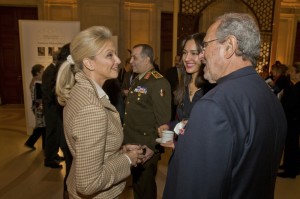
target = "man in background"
x: 51, y: 112
x: 173, y: 75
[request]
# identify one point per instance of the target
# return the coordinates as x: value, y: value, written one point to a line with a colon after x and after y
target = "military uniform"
x: 148, y: 106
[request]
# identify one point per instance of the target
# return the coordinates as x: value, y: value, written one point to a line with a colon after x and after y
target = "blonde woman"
x: 91, y: 123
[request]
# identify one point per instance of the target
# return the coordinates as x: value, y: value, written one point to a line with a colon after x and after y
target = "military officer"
x: 148, y: 106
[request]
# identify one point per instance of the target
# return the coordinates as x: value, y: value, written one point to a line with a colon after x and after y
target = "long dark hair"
x: 186, y: 77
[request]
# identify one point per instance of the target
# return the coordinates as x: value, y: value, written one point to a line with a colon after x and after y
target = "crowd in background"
x: 284, y: 83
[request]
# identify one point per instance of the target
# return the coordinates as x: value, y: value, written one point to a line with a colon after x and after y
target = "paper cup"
x: 167, y: 136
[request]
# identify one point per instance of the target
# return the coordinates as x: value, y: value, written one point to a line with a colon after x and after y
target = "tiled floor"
x: 23, y: 175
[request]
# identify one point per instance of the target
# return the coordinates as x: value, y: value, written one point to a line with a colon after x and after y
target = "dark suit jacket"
x: 52, y: 110
x: 48, y: 86
x: 292, y: 104
x: 232, y: 144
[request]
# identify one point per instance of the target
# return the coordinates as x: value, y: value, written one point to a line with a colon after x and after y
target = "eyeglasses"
x: 205, y: 43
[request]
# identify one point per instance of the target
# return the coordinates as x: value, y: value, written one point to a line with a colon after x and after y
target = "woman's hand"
x: 130, y: 147
x: 134, y: 152
x: 161, y: 129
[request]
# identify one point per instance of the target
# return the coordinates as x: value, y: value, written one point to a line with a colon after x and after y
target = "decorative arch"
x: 191, y: 10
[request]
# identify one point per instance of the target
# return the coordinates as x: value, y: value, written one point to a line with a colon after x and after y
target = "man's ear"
x: 230, y: 46
x: 88, y: 64
x: 148, y: 59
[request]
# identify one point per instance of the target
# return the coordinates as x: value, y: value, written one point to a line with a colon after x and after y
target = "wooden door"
x: 297, y: 45
x: 166, y: 39
x: 11, y: 88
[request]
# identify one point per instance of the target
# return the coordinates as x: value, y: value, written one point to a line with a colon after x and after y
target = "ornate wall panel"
x: 60, y: 10
x: 106, y: 13
x: 191, y: 10
x: 286, y: 40
x: 188, y: 18
x: 141, y: 25
x: 264, y: 11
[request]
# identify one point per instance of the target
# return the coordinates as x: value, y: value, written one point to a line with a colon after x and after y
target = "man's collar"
x: 238, y: 73
x: 141, y: 75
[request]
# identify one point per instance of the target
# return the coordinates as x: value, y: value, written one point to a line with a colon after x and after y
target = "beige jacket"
x: 94, y: 135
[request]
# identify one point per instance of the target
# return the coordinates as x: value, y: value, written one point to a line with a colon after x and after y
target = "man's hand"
x: 149, y: 153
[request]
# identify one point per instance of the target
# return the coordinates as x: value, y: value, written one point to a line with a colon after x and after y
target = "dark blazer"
x: 52, y: 111
x: 48, y: 86
x: 232, y: 144
x: 291, y: 106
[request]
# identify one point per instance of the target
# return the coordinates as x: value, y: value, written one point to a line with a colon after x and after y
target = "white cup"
x: 167, y: 136
x: 268, y: 81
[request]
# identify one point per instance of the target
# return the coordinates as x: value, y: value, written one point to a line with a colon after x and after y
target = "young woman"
x: 92, y: 124
x: 192, y: 85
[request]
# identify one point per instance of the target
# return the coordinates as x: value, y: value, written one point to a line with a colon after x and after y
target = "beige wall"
x: 289, y: 17
x: 19, y: 2
x: 167, y: 5
x: 132, y: 21
x: 138, y: 21
x: 142, y: 25
x: 58, y: 10
x: 286, y: 38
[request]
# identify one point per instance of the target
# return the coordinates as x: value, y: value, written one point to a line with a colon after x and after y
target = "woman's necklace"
x: 192, y: 90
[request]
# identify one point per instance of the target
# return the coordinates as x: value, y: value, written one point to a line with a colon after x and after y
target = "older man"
x: 234, y: 139
x: 148, y: 106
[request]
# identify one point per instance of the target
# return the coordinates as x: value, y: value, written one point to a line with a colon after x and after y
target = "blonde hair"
x: 85, y: 44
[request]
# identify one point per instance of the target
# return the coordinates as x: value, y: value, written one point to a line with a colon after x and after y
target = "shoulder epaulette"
x: 156, y: 74
x: 147, y: 75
